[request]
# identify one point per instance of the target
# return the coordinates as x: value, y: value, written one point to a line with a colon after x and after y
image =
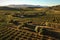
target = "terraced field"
x: 7, y: 33
x: 11, y: 20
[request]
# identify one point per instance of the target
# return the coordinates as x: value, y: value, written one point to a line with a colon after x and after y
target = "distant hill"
x: 57, y: 7
x: 29, y: 7
x: 24, y: 6
x: 7, y: 8
x: 54, y: 9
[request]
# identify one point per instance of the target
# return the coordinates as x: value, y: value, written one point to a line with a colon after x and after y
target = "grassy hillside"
x: 37, y: 15
x: 13, y: 18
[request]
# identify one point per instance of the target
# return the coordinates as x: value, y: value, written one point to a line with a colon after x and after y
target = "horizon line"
x: 30, y: 4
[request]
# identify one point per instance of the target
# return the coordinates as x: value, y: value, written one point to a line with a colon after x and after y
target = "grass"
x: 7, y: 15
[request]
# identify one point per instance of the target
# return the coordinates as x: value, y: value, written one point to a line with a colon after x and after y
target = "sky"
x: 30, y: 2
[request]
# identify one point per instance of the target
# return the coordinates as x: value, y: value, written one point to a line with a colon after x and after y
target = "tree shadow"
x: 51, y: 33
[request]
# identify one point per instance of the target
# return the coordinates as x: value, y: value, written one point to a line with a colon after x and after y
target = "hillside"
x: 23, y: 6
x: 30, y: 23
x: 7, y: 8
x: 56, y: 7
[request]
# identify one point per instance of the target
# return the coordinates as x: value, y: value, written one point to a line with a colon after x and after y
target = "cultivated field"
x: 30, y: 24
